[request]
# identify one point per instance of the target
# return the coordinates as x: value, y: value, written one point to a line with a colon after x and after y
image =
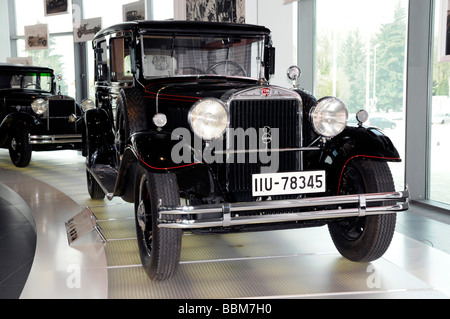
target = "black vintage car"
x: 33, y: 116
x: 188, y: 128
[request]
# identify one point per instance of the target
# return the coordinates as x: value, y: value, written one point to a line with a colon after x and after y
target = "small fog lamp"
x: 362, y: 116
x: 160, y: 120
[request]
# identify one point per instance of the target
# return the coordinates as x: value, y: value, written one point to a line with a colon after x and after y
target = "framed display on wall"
x: 134, y: 11
x: 54, y: 7
x: 232, y: 11
x: 444, y: 31
x: 36, y: 37
x: 20, y: 60
x: 87, y: 29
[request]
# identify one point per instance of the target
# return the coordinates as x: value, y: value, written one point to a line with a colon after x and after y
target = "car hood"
x: 21, y: 97
x: 191, y: 90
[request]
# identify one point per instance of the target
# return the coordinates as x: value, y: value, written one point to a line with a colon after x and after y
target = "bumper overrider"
x: 355, y: 206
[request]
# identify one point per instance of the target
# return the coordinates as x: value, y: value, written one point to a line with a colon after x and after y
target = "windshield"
x: 26, y: 80
x: 202, y: 55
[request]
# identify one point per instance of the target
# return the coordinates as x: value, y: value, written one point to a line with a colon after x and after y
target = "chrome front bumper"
x: 55, y: 139
x: 356, y: 206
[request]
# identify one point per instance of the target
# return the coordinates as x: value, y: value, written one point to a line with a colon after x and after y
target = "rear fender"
x: 99, y: 136
x: 354, y: 143
x: 98, y: 127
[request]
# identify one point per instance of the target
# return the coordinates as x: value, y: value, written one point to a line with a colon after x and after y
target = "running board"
x: 106, y: 177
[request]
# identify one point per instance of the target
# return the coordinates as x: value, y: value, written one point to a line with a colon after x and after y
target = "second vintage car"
x: 34, y: 116
x: 188, y: 127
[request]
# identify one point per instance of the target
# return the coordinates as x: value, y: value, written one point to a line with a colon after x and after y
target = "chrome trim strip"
x: 297, y: 149
x: 55, y: 139
x: 360, y: 210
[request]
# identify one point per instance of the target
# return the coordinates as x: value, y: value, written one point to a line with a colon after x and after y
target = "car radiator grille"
x: 61, y: 108
x: 282, y: 114
x: 57, y: 116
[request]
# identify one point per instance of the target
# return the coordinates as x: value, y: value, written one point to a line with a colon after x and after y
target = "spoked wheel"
x: 159, y: 248
x: 19, y: 147
x: 367, y: 238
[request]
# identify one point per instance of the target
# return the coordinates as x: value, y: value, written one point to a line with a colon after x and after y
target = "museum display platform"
x: 286, y: 264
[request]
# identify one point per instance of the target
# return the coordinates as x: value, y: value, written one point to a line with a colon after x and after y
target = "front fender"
x: 98, y: 128
x: 15, y: 119
x: 24, y: 119
x: 354, y: 143
x: 155, y: 151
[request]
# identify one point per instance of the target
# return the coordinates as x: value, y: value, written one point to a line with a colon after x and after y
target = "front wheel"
x: 367, y: 238
x: 94, y: 189
x: 19, y: 147
x: 159, y: 248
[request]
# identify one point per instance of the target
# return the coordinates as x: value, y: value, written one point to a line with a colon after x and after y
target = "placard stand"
x: 84, y: 227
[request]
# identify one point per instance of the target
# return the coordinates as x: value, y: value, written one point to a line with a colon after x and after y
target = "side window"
x: 120, y: 60
x: 102, y: 61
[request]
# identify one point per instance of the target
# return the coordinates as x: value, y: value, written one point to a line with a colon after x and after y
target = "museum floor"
x: 36, y: 260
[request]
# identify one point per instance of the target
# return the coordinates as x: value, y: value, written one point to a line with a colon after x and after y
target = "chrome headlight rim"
x: 198, y: 126
x: 323, y: 119
x: 87, y: 104
x: 39, y: 106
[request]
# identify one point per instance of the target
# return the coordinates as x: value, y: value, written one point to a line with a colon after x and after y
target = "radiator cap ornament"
x: 266, y: 92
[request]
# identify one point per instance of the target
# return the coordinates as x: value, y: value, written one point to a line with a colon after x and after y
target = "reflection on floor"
x: 280, y: 264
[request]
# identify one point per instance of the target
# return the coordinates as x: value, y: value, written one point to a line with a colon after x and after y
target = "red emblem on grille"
x: 266, y: 92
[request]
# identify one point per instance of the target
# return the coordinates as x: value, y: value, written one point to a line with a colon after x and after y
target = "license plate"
x: 288, y: 183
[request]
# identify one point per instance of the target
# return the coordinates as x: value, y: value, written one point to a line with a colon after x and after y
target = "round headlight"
x: 87, y: 104
x: 39, y: 106
x: 329, y: 117
x: 208, y: 118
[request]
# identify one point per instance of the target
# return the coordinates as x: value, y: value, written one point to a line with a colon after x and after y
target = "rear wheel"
x: 159, y: 248
x: 364, y: 239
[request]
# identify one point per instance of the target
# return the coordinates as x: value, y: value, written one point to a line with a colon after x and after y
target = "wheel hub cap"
x: 141, y: 215
x: 14, y: 144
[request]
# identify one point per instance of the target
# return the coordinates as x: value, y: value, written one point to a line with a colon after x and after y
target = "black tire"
x: 19, y: 146
x: 94, y: 189
x: 159, y: 248
x: 364, y: 239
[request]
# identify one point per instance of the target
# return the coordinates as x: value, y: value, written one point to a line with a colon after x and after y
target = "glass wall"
x: 162, y: 10
x: 439, y: 143
x: 60, y: 53
x: 361, y: 58
x: 114, y: 15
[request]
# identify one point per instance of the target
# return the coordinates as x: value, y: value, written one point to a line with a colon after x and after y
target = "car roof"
x: 10, y: 67
x: 186, y: 27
